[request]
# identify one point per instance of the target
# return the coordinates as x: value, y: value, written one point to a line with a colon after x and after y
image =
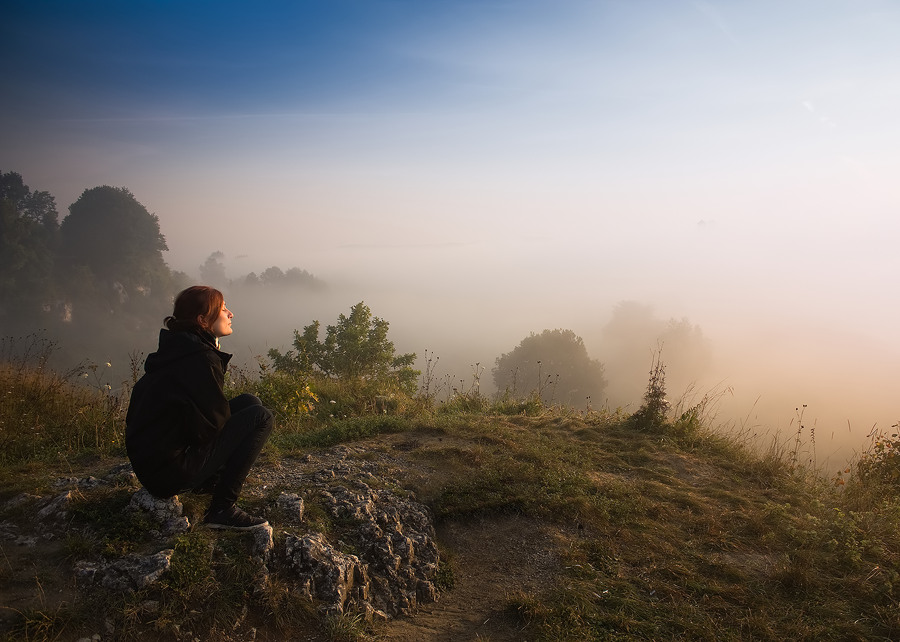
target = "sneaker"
x: 234, y: 519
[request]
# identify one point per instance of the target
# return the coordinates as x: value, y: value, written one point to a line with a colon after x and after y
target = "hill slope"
x: 555, y: 527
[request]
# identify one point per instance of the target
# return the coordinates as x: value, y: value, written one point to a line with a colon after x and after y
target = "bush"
x: 355, y: 349
x: 880, y: 464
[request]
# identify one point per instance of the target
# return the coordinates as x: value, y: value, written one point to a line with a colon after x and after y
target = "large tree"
x: 28, y: 235
x: 554, y: 364
x: 113, y: 237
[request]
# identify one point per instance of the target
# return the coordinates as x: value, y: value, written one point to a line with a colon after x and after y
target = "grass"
x: 669, y: 529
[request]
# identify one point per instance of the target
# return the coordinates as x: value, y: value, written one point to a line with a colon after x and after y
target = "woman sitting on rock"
x: 181, y: 432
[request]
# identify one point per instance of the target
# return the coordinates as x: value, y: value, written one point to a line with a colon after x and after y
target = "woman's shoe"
x: 233, y: 519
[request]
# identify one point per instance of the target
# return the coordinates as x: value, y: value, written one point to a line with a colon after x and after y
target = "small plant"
x: 444, y: 578
x: 346, y: 628
x: 652, y: 413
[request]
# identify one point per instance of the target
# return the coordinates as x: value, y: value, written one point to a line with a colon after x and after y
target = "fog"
x: 476, y: 172
x: 761, y: 359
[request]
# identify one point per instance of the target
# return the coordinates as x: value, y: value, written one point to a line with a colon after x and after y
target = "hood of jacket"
x: 175, y: 346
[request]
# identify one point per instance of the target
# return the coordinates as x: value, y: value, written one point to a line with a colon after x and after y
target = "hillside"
x: 555, y: 527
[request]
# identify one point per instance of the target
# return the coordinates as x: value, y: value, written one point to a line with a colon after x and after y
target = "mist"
x: 760, y: 363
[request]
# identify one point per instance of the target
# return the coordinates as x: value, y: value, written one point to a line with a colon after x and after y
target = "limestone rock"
x: 165, y: 512
x: 291, y: 504
x: 127, y: 574
x: 58, y: 506
x: 330, y: 576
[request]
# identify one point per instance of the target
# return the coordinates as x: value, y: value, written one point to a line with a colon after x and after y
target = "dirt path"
x: 491, y: 559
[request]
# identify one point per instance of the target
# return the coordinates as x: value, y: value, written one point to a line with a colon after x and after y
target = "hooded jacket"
x: 176, y: 411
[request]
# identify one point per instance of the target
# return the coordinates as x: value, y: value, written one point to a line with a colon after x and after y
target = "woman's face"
x: 221, y: 327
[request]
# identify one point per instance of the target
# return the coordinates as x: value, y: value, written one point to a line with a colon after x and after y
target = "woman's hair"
x: 196, y: 308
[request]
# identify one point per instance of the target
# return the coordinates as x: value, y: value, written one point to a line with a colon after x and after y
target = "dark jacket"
x: 177, y: 408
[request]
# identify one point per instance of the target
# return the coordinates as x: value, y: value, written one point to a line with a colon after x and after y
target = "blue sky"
x: 533, y: 161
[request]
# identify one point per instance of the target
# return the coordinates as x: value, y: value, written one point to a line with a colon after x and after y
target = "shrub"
x: 880, y: 464
x: 355, y: 349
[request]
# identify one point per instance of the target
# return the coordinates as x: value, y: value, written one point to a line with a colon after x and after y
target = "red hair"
x: 196, y: 308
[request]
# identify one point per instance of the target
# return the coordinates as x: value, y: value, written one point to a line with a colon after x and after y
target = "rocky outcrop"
x: 128, y: 574
x: 336, y: 579
x: 167, y: 513
x: 369, y: 550
x: 395, y: 537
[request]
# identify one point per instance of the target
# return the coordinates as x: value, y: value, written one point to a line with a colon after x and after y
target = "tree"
x: 271, y: 275
x: 631, y: 338
x: 212, y: 272
x: 116, y: 239
x: 555, y: 365
x: 356, y: 348
x: 28, y: 236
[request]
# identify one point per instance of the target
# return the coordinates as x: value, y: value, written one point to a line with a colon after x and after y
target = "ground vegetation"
x: 553, y: 524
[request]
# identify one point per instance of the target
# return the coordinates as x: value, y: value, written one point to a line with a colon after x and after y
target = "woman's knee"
x: 243, y: 401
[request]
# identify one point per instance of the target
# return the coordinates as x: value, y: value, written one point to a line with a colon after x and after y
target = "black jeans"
x: 235, y: 450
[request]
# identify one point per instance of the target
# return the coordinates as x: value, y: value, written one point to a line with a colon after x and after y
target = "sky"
x: 480, y: 170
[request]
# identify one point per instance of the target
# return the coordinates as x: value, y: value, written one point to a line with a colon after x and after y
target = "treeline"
x: 212, y: 272
x: 95, y: 278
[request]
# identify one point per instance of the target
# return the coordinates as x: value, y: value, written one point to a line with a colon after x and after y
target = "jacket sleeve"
x: 205, y: 387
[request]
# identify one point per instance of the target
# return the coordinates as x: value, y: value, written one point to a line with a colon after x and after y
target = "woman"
x: 181, y: 431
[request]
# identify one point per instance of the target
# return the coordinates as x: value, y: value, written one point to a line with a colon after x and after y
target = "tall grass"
x: 45, y: 415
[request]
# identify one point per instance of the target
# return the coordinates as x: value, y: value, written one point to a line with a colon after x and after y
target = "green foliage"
x: 342, y: 430
x: 346, y: 627
x: 191, y: 569
x: 285, y: 393
x: 355, y: 349
x: 113, y: 530
x: 554, y: 365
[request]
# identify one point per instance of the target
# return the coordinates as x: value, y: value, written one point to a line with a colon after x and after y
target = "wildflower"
x: 108, y: 364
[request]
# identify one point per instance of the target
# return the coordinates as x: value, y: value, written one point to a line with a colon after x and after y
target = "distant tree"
x: 212, y: 272
x: 28, y: 237
x: 297, y: 277
x: 554, y: 364
x: 356, y: 348
x: 276, y: 277
x: 632, y: 339
x: 113, y: 236
x: 271, y: 276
